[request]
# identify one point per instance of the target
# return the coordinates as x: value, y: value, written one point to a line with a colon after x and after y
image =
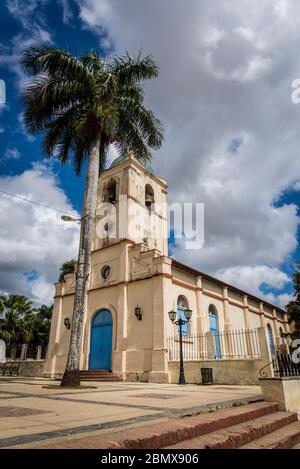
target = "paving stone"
x: 10, y: 411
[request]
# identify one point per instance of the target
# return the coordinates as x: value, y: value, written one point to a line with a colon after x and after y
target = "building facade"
x: 133, y: 284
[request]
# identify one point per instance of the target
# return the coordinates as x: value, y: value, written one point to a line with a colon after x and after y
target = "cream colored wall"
x: 59, y: 336
x: 254, y: 320
x: 286, y: 391
x: 235, y: 372
x: 115, y: 256
x: 211, y: 286
x: 236, y: 317
x: 183, y: 276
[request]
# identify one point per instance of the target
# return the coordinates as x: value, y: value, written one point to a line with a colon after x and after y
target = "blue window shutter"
x: 185, y: 327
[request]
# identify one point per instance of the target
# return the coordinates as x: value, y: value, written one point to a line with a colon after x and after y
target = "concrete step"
x: 284, y: 438
x: 235, y: 436
x: 98, y: 375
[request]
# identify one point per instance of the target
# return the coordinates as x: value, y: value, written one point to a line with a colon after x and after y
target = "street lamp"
x: 180, y: 322
x: 67, y: 323
x: 68, y: 218
x: 285, y: 335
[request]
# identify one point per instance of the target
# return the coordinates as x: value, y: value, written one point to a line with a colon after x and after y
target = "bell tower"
x: 131, y: 206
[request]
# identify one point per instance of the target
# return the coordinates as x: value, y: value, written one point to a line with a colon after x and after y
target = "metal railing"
x: 237, y: 344
x: 284, y: 365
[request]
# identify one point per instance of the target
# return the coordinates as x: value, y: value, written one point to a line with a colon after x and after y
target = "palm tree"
x: 81, y: 106
x: 19, y: 305
x: 45, y: 313
x: 67, y: 267
x: 16, y: 312
x: 39, y: 331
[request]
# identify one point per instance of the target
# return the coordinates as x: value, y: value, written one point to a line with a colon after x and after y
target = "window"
x: 149, y: 196
x: 271, y: 340
x: 214, y: 328
x: 182, y: 305
x: 110, y: 192
x: 105, y: 272
x: 213, y: 318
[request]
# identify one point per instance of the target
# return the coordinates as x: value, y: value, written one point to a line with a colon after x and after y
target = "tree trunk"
x: 72, y: 375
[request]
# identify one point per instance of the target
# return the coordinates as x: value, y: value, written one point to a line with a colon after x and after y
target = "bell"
x: 148, y: 200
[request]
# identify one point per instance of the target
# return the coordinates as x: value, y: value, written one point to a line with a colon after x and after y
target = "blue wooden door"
x: 101, y: 341
x: 213, y: 327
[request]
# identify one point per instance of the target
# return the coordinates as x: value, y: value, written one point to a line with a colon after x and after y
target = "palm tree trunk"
x: 72, y: 375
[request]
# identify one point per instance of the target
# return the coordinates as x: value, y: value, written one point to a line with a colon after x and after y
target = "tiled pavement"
x: 32, y: 415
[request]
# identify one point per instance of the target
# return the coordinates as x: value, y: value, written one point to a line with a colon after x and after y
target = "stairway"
x: 253, y: 425
x: 270, y: 429
x: 98, y: 375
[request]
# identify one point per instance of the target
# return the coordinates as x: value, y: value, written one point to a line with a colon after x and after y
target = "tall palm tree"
x: 81, y: 106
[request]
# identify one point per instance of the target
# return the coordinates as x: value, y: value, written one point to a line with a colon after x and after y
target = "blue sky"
x: 65, y: 36
x: 232, y: 133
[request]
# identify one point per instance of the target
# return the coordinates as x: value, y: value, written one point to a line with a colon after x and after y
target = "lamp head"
x: 138, y: 312
x: 67, y: 323
x: 188, y: 314
x: 172, y: 315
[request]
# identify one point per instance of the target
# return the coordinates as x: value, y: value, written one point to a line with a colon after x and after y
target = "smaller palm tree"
x: 16, y: 313
x: 68, y: 267
x: 21, y: 323
x: 45, y: 313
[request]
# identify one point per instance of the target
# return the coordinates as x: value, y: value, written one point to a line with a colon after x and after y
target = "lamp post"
x: 180, y: 322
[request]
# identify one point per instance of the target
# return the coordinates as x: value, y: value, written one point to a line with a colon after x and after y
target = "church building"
x: 134, y: 284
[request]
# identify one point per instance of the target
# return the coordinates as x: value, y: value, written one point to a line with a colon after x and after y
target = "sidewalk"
x: 32, y: 416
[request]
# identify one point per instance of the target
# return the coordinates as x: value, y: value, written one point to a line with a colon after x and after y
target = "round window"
x: 105, y: 272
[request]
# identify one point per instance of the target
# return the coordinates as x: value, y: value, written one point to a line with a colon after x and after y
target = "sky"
x: 232, y: 133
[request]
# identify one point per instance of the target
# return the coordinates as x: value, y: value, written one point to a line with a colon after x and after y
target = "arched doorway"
x: 101, y: 341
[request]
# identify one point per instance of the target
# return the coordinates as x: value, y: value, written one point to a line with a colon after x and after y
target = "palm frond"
x: 53, y: 61
x: 149, y: 125
x: 92, y: 61
x: 73, y: 101
x: 129, y: 69
x: 130, y: 139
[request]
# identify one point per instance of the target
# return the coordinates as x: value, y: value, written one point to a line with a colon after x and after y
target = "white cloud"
x: 33, y: 240
x: 22, y: 128
x: 10, y: 154
x: 22, y: 10
x: 34, y: 32
x: 250, y: 277
x: 67, y: 11
x: 226, y: 70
